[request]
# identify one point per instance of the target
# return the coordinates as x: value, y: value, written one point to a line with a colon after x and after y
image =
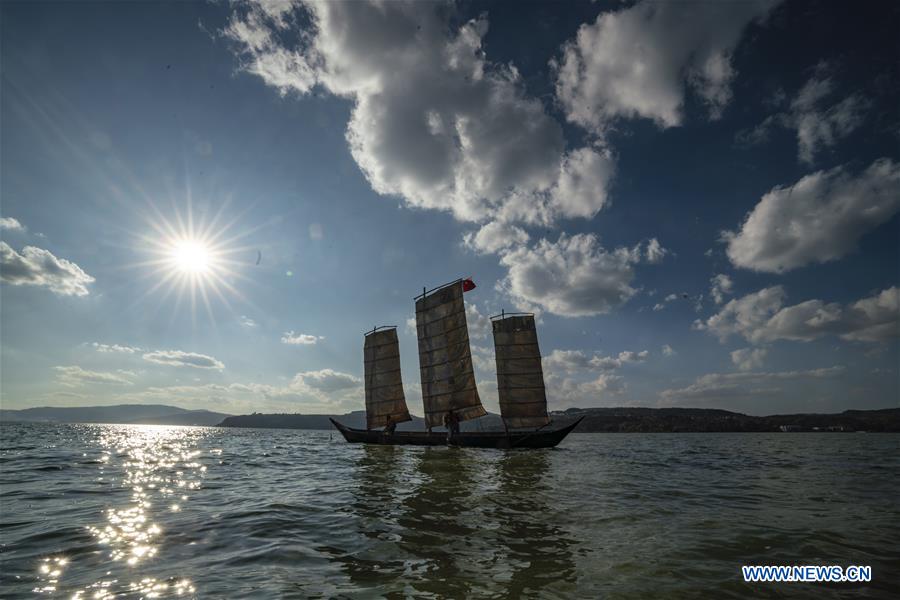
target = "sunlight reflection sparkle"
x: 151, y: 463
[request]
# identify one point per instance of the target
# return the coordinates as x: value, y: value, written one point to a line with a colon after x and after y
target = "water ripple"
x: 105, y: 511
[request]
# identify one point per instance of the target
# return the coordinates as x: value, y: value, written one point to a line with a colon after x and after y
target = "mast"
x: 445, y: 359
x: 384, y: 385
x: 520, y: 376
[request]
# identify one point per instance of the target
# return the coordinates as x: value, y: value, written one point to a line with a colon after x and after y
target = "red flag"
x: 468, y: 284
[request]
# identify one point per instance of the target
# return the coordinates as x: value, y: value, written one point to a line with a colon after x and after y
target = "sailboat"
x: 448, y: 379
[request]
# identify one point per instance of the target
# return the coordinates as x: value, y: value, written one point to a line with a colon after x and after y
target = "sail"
x: 445, y: 360
x: 520, y: 378
x: 384, y: 386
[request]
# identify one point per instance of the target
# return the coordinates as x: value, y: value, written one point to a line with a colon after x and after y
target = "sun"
x: 195, y: 260
x: 192, y: 256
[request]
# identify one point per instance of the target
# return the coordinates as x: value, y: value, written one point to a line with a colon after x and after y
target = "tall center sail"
x: 445, y: 360
x: 520, y: 377
x: 384, y: 385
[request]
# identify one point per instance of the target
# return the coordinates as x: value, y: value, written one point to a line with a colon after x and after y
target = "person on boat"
x: 390, y: 426
x: 451, y: 422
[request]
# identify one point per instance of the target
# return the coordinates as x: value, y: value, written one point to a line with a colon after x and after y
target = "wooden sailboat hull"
x: 471, y: 439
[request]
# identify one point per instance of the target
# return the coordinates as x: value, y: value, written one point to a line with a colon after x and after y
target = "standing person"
x: 451, y: 422
x: 389, y: 427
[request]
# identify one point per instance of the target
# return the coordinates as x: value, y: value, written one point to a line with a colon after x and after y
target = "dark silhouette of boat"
x: 473, y: 439
x: 449, y: 393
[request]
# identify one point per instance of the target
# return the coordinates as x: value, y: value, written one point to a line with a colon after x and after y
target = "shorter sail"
x: 520, y: 376
x: 384, y: 385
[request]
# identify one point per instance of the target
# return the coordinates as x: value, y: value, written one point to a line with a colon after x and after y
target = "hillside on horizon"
x: 125, y: 414
x: 619, y: 420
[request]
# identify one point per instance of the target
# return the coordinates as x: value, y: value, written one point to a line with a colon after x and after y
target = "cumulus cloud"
x: 567, y: 391
x: 479, y: 324
x: 583, y: 180
x: 247, y: 322
x: 110, y: 348
x: 484, y: 361
x: 874, y: 319
x: 720, y: 286
x: 817, y: 124
x: 565, y: 372
x: 327, y: 380
x: 177, y: 358
x: 322, y: 391
x: 661, y: 305
x: 608, y: 363
x: 818, y: 219
x: 572, y: 361
x: 36, y: 266
x: 11, y: 224
x: 722, y: 386
x: 654, y: 252
x: 638, y: 61
x: 433, y: 120
x: 667, y: 350
x: 300, y: 339
x: 762, y: 317
x: 747, y: 359
x: 494, y: 237
x: 76, y: 376
x: 572, y: 277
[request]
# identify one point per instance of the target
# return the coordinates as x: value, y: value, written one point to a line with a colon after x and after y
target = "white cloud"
x: 573, y: 277
x: 816, y: 125
x: 819, y: 219
x: 494, y: 237
x: 322, y: 391
x: 720, y: 286
x: 720, y: 386
x: 11, y: 224
x: 874, y: 319
x: 36, y: 266
x: 573, y: 361
x: 761, y: 317
x: 661, y: 305
x: 655, y: 252
x: 479, y: 324
x: 565, y: 372
x: 247, y: 322
x: 316, y: 232
x: 484, y: 361
x: 411, y: 326
x: 563, y: 392
x: 747, y: 359
x: 667, y: 350
x: 300, y: 339
x: 638, y: 61
x: 327, y: 380
x: 433, y: 120
x: 608, y: 363
x: 76, y: 376
x: 264, y: 55
x: 583, y: 180
x: 177, y: 358
x: 109, y: 348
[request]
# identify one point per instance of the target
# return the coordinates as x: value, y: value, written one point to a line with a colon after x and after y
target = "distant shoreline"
x: 624, y: 420
x: 596, y: 420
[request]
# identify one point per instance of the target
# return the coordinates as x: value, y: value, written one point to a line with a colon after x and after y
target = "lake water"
x: 102, y: 511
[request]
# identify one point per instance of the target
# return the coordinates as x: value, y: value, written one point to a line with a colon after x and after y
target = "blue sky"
x: 699, y: 200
